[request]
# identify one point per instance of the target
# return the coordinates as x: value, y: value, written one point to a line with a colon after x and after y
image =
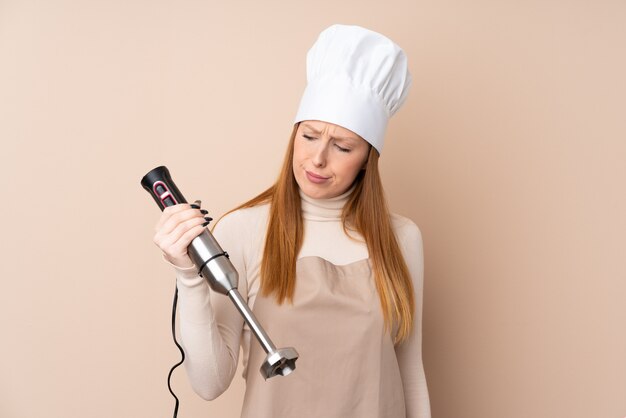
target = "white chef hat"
x: 357, y: 79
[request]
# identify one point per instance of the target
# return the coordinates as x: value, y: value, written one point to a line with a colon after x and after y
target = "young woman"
x: 322, y: 263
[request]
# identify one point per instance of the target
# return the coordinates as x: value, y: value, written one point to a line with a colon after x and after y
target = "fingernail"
x: 206, y: 223
x: 204, y: 211
x: 194, y: 206
x: 208, y: 218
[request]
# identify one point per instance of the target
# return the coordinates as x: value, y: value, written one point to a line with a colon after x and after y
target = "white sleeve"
x: 210, y: 325
x: 409, y: 352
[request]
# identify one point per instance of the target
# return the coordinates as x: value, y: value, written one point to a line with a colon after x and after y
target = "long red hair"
x: 366, y: 211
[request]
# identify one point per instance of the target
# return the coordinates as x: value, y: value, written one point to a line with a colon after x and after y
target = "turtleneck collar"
x: 324, y: 209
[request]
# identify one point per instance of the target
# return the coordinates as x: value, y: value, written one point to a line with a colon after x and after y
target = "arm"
x: 210, y: 325
x: 409, y: 353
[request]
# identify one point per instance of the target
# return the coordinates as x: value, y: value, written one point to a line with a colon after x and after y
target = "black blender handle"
x: 158, y: 182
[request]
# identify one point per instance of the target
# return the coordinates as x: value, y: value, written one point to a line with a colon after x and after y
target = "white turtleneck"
x: 212, y: 330
x: 322, y: 226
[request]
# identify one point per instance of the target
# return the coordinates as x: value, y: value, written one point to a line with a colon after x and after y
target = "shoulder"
x: 405, y: 229
x: 242, y: 234
x: 410, y: 242
x: 243, y: 221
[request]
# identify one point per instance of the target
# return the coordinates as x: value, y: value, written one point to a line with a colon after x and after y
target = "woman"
x: 322, y: 263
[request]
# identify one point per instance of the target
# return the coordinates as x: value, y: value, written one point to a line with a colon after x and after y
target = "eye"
x: 342, y: 149
x: 307, y: 137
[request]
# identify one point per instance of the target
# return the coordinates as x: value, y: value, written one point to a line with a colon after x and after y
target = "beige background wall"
x: 509, y: 154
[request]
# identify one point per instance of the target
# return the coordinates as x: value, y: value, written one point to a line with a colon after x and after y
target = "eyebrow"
x: 349, y: 138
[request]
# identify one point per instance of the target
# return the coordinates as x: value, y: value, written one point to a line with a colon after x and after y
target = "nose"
x: 319, y: 155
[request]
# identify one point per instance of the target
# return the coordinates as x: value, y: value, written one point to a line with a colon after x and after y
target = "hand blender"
x: 214, y: 265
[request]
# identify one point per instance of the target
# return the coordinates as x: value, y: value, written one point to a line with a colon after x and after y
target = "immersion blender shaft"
x: 252, y: 322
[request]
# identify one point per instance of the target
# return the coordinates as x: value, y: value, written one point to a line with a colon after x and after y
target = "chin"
x: 313, y: 192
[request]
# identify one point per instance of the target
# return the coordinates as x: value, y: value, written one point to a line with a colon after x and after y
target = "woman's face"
x: 327, y: 158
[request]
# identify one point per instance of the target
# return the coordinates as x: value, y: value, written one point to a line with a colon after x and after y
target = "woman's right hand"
x: 177, y: 227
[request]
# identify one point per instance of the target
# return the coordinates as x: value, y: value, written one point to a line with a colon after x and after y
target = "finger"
x: 179, y: 213
x: 185, y: 240
x: 166, y: 240
x: 178, y: 242
x: 168, y: 212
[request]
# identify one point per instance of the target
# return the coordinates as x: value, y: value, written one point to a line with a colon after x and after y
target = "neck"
x: 324, y: 209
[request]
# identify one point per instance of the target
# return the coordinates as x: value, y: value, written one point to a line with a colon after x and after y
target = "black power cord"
x: 169, y: 386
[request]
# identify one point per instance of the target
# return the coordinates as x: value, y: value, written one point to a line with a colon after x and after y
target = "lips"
x: 315, y: 178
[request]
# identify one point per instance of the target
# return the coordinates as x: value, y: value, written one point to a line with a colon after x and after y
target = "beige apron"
x: 347, y: 366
